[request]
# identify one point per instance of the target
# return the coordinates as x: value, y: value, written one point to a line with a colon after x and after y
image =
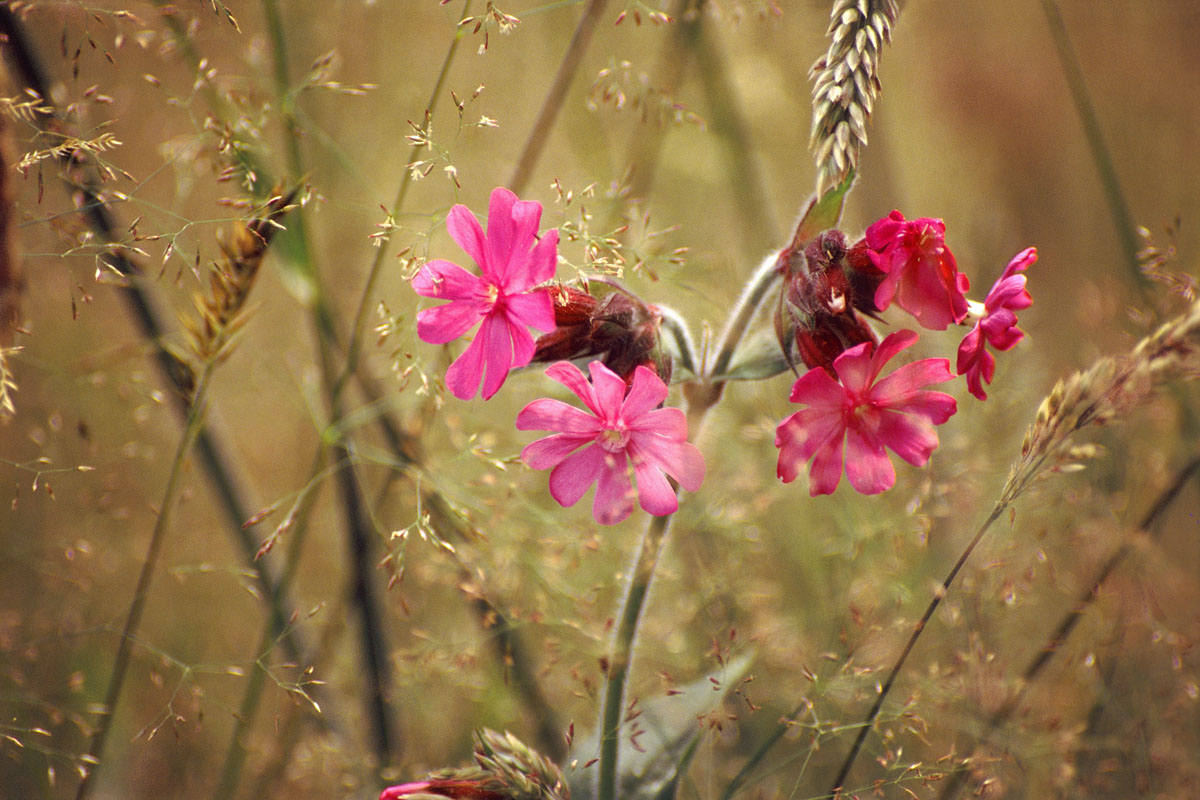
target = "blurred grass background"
x: 975, y: 125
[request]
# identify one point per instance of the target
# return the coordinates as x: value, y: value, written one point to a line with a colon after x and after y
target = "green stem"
x: 1101, y: 157
x: 140, y: 593
x: 621, y: 654
x: 701, y: 396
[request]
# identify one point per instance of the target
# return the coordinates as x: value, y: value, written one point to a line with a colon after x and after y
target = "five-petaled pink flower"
x: 998, y: 325
x: 922, y: 274
x: 622, y: 427
x: 861, y: 417
x: 512, y: 260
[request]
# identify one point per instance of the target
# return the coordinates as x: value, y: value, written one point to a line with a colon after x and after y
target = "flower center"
x: 614, y: 439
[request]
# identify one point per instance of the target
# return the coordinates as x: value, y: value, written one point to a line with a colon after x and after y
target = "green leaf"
x: 667, y: 743
x: 822, y: 213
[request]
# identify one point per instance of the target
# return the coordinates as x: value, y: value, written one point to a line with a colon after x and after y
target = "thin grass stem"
x: 544, y: 124
x: 1054, y: 643
x: 358, y: 528
x: 869, y: 721
x: 141, y: 592
x: 1118, y: 206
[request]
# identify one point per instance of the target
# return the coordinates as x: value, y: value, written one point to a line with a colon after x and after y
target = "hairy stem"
x: 622, y: 651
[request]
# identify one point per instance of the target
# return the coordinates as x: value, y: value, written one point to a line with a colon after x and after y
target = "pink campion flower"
x: 512, y: 260
x: 453, y: 788
x: 861, y: 417
x: 997, y: 324
x: 621, y: 428
x: 921, y: 273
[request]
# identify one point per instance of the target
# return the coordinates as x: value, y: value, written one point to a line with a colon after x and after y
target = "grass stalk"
x: 358, y: 528
x: 544, y: 124
x: 1054, y: 643
x: 141, y: 591
x: 868, y: 722
x: 1118, y: 206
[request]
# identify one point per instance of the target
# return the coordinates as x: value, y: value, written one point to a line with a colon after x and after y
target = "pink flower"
x: 511, y: 260
x: 922, y: 275
x: 867, y: 416
x: 454, y: 788
x: 620, y: 427
x: 998, y: 325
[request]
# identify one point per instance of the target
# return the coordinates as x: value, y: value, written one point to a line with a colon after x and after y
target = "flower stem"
x: 621, y: 654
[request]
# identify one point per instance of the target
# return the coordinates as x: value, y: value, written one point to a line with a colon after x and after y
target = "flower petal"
x: 572, y: 477
x: 910, y: 436
x: 535, y: 309
x: 867, y: 465
x: 655, y: 494
x: 681, y: 460
x: 646, y: 393
x: 571, y: 377
x: 466, y: 231
x: 463, y: 376
x: 551, y: 451
x: 547, y: 414
x: 500, y: 233
x: 446, y: 280
x: 802, y: 434
x: 614, y: 491
x: 497, y: 338
x: 909, y: 378
x: 447, y: 322
x: 609, y: 389
x: 826, y: 470
x: 667, y: 423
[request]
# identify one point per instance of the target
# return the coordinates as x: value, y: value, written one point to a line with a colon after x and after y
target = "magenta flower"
x: 998, y: 325
x: 922, y: 274
x: 511, y: 260
x: 620, y: 428
x: 864, y: 415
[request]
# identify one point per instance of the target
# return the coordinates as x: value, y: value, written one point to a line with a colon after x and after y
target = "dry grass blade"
x: 1095, y: 396
x: 846, y: 83
x: 231, y: 280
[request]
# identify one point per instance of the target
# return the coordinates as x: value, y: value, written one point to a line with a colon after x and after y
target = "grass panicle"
x: 219, y: 312
x: 1098, y: 395
x: 846, y: 84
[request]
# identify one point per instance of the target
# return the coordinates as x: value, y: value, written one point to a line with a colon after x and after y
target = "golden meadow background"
x: 708, y: 149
